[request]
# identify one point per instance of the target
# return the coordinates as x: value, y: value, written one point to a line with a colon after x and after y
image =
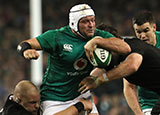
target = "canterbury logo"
x: 67, y: 47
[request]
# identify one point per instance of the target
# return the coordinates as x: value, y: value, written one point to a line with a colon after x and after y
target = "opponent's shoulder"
x: 12, y: 108
x: 15, y: 109
x: 128, y: 40
x: 134, y: 40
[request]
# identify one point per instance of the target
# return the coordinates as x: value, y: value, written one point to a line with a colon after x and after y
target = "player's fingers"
x: 87, y: 53
x: 82, y: 88
x: 27, y: 55
x: 82, y: 83
x: 35, y: 55
x: 89, y: 111
x: 31, y: 54
x: 91, y: 55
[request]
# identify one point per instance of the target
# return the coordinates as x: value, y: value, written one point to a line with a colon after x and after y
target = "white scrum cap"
x: 77, y: 12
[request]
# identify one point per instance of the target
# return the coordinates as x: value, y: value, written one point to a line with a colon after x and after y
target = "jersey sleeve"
x: 47, y: 41
x: 137, y: 46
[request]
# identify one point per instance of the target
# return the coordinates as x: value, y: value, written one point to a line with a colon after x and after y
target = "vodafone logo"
x: 80, y: 64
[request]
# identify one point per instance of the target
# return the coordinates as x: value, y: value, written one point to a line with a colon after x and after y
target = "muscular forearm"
x: 133, y: 103
x: 97, y: 71
x: 130, y: 93
x: 100, y: 76
x: 125, y: 68
x: 120, y: 71
x: 114, y: 44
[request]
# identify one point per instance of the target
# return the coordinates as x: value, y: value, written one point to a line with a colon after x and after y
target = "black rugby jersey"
x: 148, y: 73
x: 13, y: 108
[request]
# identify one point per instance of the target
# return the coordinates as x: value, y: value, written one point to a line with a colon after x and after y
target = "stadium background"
x: 14, y: 27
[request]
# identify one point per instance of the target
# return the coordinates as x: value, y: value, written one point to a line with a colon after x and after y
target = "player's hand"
x: 31, y: 54
x: 90, y: 47
x: 87, y: 84
x: 87, y: 105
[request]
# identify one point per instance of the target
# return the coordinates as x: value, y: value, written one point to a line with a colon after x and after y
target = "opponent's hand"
x: 87, y: 84
x: 87, y: 105
x: 31, y: 54
x: 90, y: 47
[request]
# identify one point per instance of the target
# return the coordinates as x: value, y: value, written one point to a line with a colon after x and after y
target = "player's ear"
x: 154, y: 27
x: 18, y: 100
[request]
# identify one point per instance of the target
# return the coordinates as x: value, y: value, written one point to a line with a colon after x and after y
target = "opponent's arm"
x: 91, y: 81
x: 77, y: 108
x: 28, y: 48
x: 130, y: 93
x: 97, y: 71
x: 125, y: 68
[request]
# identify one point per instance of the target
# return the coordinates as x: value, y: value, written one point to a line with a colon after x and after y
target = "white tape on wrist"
x: 105, y: 77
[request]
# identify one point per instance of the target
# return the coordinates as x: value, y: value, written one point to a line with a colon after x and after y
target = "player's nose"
x: 143, y: 36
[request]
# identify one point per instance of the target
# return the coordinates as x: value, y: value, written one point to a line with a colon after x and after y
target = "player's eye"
x: 146, y: 30
x: 33, y: 102
x: 138, y: 32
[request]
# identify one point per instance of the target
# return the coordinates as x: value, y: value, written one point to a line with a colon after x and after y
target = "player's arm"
x: 111, y: 44
x: 77, y: 108
x: 125, y: 68
x: 130, y: 93
x: 28, y: 48
x: 97, y: 71
x: 91, y: 79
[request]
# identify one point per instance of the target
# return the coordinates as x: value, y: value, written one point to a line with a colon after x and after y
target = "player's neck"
x: 75, y: 33
x: 78, y: 35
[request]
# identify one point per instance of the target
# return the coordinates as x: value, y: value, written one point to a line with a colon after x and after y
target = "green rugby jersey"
x: 147, y: 98
x: 67, y: 63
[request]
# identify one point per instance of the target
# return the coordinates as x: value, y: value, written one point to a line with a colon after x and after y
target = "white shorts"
x: 147, y: 111
x: 52, y: 107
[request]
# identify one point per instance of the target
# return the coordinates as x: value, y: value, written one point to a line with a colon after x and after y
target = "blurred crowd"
x: 15, y: 27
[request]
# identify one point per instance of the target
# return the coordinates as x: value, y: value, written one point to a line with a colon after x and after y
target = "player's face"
x: 31, y: 102
x: 146, y: 32
x: 87, y: 26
